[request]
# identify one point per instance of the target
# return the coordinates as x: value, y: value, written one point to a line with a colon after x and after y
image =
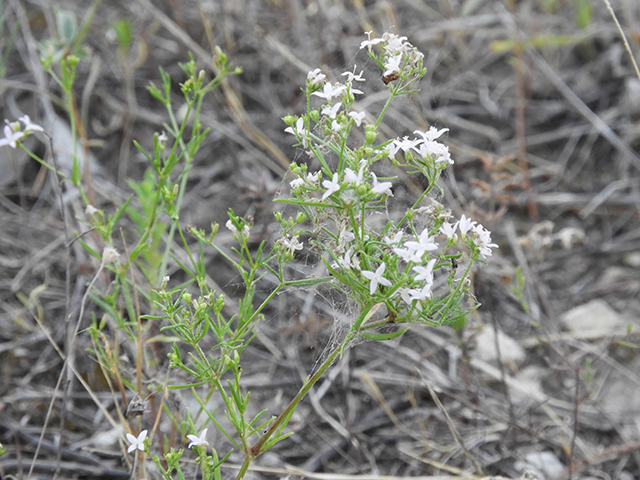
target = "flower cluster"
x: 398, y: 56
x: 401, y: 264
x: 426, y: 146
x: 13, y: 132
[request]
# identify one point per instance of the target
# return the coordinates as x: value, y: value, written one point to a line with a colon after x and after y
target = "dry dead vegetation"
x: 557, y: 393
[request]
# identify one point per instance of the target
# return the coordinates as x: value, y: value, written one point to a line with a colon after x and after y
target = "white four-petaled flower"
x: 197, y: 440
x: 422, y: 246
x: 381, y: 187
x: 376, y: 278
x: 331, y: 186
x: 329, y: 91
x: 136, y: 442
x: 11, y: 137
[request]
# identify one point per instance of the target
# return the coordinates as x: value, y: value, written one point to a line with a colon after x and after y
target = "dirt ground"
x: 543, y: 109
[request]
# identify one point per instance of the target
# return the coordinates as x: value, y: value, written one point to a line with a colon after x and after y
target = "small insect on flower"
x: 392, y: 77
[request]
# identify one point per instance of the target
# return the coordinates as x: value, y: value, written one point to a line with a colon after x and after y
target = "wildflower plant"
x: 399, y: 271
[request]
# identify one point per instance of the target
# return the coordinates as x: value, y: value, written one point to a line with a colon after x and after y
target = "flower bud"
x: 370, y: 133
x: 301, y: 217
x: 186, y: 296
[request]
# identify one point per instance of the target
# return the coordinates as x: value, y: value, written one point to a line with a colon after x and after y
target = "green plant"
x: 398, y: 271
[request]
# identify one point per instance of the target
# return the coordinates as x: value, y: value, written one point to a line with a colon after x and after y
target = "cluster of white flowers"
x: 426, y: 146
x: 398, y: 55
x: 399, y: 265
x: 13, y: 131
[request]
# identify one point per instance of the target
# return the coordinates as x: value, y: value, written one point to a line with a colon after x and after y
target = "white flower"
x: 394, y: 44
x: 292, y: 244
x: 198, y: 440
x: 349, y: 260
x: 465, y: 224
x: 299, y: 128
x: 331, y: 111
x: 351, y: 176
x: 234, y: 231
x: 331, y: 186
x: 328, y: 91
x: 335, y: 126
x: 431, y: 134
x: 357, y: 117
x: 394, y: 239
x: 369, y: 43
x: 404, y: 253
x: 29, y: 126
x: 381, y: 187
x: 296, y: 183
x: 376, y: 278
x: 437, y: 150
x: 392, y: 65
x: 405, y: 144
x: 11, y: 137
x: 312, y: 178
x: 483, y: 241
x: 345, y: 237
x: 422, y: 246
x: 425, y: 273
x: 316, y: 77
x: 136, y: 443
x: 449, y: 229
x: 351, y: 76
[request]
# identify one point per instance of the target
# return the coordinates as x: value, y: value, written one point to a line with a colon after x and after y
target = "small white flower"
x: 349, y: 260
x: 351, y: 176
x: 357, y: 117
x: 394, y: 239
x: 483, y: 241
x: 425, y: 273
x: 449, y: 229
x: 11, y: 137
x: 312, y: 178
x: 431, y: 134
x: 351, y: 76
x: 422, y: 246
x: 437, y: 150
x: 465, y: 224
x: 29, y: 126
x: 381, y: 187
x: 376, y: 278
x: 232, y: 228
x: 198, y: 440
x: 405, y: 144
x: 329, y: 91
x: 316, y: 77
x: 296, y: 183
x: 392, y: 65
x: 369, y: 43
x: 136, y: 443
x: 345, y: 237
x: 299, y: 128
x: 335, y: 126
x: 331, y: 111
x: 331, y: 186
x: 292, y: 244
x: 404, y: 253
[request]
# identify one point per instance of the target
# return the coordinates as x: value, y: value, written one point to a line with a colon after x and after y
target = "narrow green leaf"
x: 384, y: 336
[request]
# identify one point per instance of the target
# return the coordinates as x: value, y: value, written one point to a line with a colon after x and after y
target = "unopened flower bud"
x: 370, y: 133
